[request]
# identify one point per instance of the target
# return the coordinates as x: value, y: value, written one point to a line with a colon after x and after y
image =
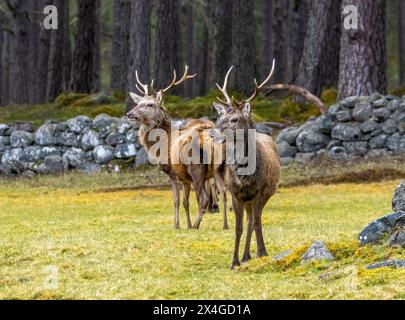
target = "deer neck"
x: 146, y: 130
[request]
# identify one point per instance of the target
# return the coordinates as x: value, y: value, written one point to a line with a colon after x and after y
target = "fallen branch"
x: 299, y: 91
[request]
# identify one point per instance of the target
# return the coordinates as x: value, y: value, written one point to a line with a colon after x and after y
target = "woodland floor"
x: 110, y: 237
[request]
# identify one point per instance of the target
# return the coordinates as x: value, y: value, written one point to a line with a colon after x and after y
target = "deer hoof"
x: 235, y: 265
x: 246, y: 257
x: 226, y: 227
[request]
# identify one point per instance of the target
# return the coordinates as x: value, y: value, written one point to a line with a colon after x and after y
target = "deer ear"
x: 159, y: 97
x: 246, y: 109
x: 135, y: 97
x: 220, y: 108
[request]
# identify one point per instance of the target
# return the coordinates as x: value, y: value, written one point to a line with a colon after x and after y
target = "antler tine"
x: 145, y: 88
x: 257, y: 87
x: 172, y: 84
x: 185, y: 76
x: 223, y: 89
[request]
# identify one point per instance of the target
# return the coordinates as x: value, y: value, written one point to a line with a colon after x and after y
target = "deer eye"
x: 149, y: 105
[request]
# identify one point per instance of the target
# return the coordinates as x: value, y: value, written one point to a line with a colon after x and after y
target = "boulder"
x: 305, y: 158
x: 12, y: 158
x: 115, y: 138
x: 123, y: 126
x: 47, y: 135
x: 90, y: 140
x: 350, y: 131
x: 264, y: 129
x: 32, y: 154
x: 317, y: 252
x: 19, y: 139
x: 79, y: 124
x: 363, y: 111
x: 131, y: 136
x: 70, y: 139
x: 396, y: 264
x: 103, y: 154
x: 286, y: 161
x: 89, y: 167
x: 311, y: 141
x: 3, y: 129
x: 398, y: 201
x: 74, y: 157
x: 393, y: 105
x: 356, y: 147
x: 344, y: 115
x: 21, y: 126
x: 378, y: 142
x: 349, y: 102
x: 288, y: 135
x: 281, y: 256
x: 380, y: 102
x: 381, y: 114
x: 390, y: 126
x: 4, y: 142
x: 397, y: 235
x: 125, y: 151
x: 105, y: 124
x: 285, y: 150
x: 376, y: 230
x: 337, y: 153
x: 325, y: 123
x: 52, y: 165
x: 370, y: 126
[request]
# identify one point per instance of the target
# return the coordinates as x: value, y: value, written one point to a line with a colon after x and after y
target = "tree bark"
x: 97, y: 49
x: 5, y: 69
x: 189, y: 47
x: 222, y: 38
x: 401, y: 41
x: 363, y: 59
x: 320, y: 58
x: 120, y: 53
x: 268, y: 35
x: 67, y: 47
x: 167, y: 48
x: 243, y: 43
x: 59, y: 54
x: 83, y: 54
x: 2, y: 21
x: 298, y: 29
x: 139, y: 44
x: 281, y: 43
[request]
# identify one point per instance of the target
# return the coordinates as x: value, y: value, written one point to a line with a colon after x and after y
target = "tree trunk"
x: 320, y: 58
x: 139, y: 44
x: 206, y: 58
x: 167, y: 49
x: 97, y: 49
x: 5, y: 69
x: 268, y: 35
x: 190, y: 47
x: 83, y: 54
x: 2, y: 18
x: 67, y: 47
x: 401, y: 41
x: 120, y: 53
x: 59, y: 54
x: 280, y: 31
x: 298, y: 30
x: 243, y: 43
x: 222, y: 39
x: 363, y: 59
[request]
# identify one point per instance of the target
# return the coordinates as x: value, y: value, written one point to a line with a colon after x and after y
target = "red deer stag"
x: 250, y: 191
x: 149, y: 110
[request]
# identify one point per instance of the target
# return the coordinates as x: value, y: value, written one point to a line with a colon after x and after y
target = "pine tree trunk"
x: 167, y: 49
x: 222, y: 39
x: 97, y: 49
x: 83, y: 54
x: 363, y: 59
x: 139, y: 44
x: 298, y: 30
x: 206, y: 58
x: 281, y: 43
x: 67, y: 47
x: 268, y: 35
x: 243, y: 43
x: 120, y: 53
x: 401, y: 41
x: 59, y: 54
x: 189, y: 47
x: 2, y: 21
x: 320, y: 58
x: 5, y: 70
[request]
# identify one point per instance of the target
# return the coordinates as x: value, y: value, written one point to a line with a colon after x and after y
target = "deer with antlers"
x: 252, y: 191
x: 149, y: 110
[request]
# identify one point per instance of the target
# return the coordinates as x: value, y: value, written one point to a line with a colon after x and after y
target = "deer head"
x: 234, y: 114
x: 149, y: 108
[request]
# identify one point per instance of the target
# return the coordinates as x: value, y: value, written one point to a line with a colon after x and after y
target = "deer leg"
x: 186, y: 202
x: 176, y: 198
x: 219, y: 180
x: 212, y: 187
x: 238, y: 208
x: 198, y: 173
x: 249, y: 211
x: 257, y: 226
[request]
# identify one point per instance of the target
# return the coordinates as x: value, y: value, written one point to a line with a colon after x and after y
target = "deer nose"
x: 128, y: 115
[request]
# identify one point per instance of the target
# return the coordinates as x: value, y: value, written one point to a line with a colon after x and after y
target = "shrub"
x: 68, y: 99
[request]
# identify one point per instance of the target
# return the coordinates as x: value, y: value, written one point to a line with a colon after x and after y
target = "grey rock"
x: 396, y: 143
x: 52, y: 151
x: 5, y: 170
x: 4, y: 142
x: 105, y: 124
x: 132, y: 136
x: 261, y: 128
x: 398, y: 116
x: 381, y: 114
x: 376, y: 230
x: 398, y: 201
x: 344, y: 116
x: 103, y: 154
x: 70, y: 139
x: 32, y: 154
x: 285, y: 150
x: 79, y: 124
x: 390, y: 126
x: 3, y: 129
x: 397, y: 235
x: 378, y: 142
x: 90, y: 140
x: 19, y: 139
x: 370, y: 126
x: 311, y: 141
x: 305, y: 158
x: 47, y: 135
x: 282, y: 255
x: 125, y: 151
x: 286, y: 161
x: 12, y: 158
x: 123, y: 126
x: 401, y: 127
x: 89, y: 167
x: 325, y: 123
x: 377, y: 153
x: 363, y: 111
x: 115, y: 138
x: 349, y: 102
x: 334, y: 143
x: 317, y: 252
x: 396, y: 264
x: 51, y: 165
x: 350, y: 131
x: 381, y: 102
x: 74, y: 157
x: 337, y: 153
x: 393, y: 105
x: 20, y: 126
x: 288, y: 135
x: 356, y: 147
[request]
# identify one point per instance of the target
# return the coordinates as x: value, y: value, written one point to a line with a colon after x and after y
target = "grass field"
x: 118, y: 243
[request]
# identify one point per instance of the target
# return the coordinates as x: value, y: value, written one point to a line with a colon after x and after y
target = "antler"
x: 184, y: 78
x: 223, y: 89
x: 257, y: 87
x: 142, y: 88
